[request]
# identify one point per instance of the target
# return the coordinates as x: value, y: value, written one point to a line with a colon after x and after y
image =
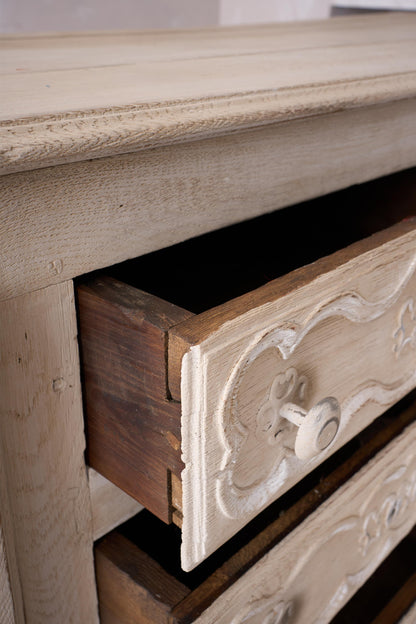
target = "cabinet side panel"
x: 42, y: 437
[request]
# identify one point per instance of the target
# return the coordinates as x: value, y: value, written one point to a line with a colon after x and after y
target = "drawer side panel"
x: 133, y: 428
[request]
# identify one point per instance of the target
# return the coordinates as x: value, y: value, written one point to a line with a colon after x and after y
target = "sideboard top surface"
x: 71, y: 97
x: 113, y: 145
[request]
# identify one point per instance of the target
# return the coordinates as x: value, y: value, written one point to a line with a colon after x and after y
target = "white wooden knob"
x: 317, y: 427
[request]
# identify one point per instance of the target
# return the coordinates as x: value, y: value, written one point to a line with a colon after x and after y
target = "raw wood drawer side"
x: 133, y: 429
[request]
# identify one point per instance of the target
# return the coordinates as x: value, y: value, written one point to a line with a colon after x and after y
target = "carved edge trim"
x: 194, y: 530
x: 76, y: 134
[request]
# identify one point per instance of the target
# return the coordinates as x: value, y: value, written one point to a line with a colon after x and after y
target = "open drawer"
x: 207, y: 418
x: 299, y: 562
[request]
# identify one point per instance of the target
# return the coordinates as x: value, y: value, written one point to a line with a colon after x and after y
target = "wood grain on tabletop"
x: 133, y: 429
x: 71, y: 97
x: 42, y: 456
x: 213, y: 595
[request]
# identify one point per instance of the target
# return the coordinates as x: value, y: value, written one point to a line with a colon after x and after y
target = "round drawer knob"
x: 317, y: 428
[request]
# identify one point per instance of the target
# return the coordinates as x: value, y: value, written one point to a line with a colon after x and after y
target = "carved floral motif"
x: 405, y: 334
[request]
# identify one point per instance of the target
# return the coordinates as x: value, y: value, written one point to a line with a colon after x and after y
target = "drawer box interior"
x: 138, y: 568
x: 129, y: 317
x: 214, y: 268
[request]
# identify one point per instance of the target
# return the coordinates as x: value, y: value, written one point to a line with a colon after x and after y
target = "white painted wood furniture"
x: 119, y: 144
x: 261, y: 389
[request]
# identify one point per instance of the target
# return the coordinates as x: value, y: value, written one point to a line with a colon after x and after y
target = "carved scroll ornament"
x: 250, y: 408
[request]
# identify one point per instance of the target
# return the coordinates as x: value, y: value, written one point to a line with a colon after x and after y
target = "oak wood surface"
x: 66, y: 220
x: 110, y: 506
x: 322, y: 498
x: 133, y: 428
x: 8, y: 545
x: 130, y: 414
x: 170, y: 87
x: 177, y: 493
x: 42, y: 453
x: 50, y: 215
x: 230, y: 272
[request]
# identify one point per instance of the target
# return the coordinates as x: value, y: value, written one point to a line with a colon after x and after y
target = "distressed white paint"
x: 339, y: 332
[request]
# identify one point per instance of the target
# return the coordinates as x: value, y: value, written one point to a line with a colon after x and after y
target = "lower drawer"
x: 301, y: 560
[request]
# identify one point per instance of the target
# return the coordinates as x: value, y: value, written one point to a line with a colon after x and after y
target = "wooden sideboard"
x: 115, y: 145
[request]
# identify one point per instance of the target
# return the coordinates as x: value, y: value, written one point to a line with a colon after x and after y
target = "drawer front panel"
x: 342, y: 343
x: 314, y: 571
